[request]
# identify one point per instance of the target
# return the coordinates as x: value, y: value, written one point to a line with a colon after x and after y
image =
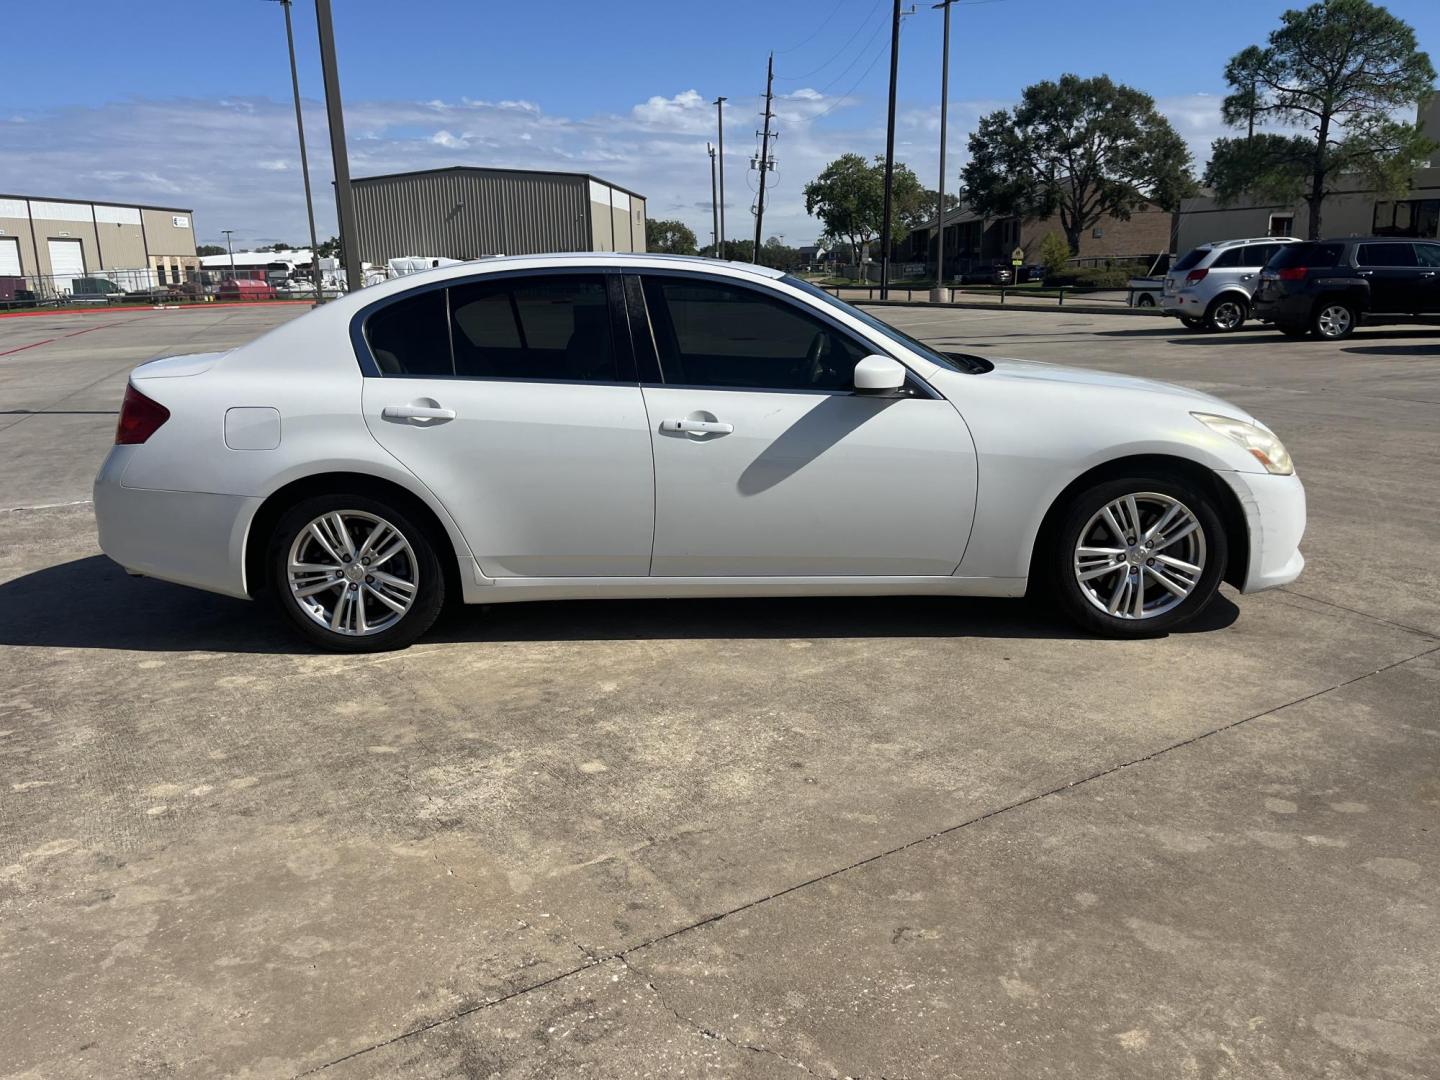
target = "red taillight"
x: 1291, y: 273
x: 139, y: 418
x: 1194, y: 277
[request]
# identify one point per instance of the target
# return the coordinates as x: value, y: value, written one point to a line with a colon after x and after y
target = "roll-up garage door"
x: 9, y: 256
x: 67, y: 262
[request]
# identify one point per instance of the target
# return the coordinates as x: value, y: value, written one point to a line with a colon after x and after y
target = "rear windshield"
x: 1190, y: 258
x: 1307, y: 255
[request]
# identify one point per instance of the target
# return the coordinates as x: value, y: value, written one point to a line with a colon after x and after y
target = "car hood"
x: 1034, y: 371
x: 173, y: 367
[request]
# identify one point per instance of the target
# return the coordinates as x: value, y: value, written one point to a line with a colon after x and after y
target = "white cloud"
x: 445, y: 139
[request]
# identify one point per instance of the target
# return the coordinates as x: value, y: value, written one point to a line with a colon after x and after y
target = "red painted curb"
x: 151, y: 307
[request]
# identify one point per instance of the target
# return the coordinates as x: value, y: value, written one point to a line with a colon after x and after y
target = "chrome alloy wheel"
x: 1228, y: 315
x: 1140, y: 555
x: 353, y: 573
x: 1334, y: 321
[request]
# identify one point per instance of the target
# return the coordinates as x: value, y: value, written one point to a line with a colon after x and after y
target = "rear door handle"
x: 1428, y: 273
x: 416, y: 412
x: 1365, y: 273
x: 697, y: 427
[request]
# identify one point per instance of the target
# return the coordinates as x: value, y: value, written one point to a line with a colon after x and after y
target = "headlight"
x: 1260, y: 442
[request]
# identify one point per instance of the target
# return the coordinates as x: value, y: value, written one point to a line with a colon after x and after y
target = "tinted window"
x: 533, y: 328
x: 1261, y: 254
x: 712, y: 334
x: 1307, y: 255
x: 1428, y: 254
x: 1191, y: 258
x: 1232, y: 257
x: 409, y: 337
x: 1385, y: 255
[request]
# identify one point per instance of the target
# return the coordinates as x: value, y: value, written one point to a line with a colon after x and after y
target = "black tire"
x: 417, y: 561
x: 1294, y: 331
x: 1194, y: 324
x: 1146, y: 300
x: 1227, y: 313
x: 1334, y: 320
x: 1077, y: 518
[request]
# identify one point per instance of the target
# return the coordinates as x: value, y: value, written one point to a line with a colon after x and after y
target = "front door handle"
x: 1365, y: 273
x: 1427, y: 273
x: 697, y: 427
x: 416, y: 412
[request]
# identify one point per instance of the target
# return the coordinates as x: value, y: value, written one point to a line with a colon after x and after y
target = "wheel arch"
x: 1232, y: 514
x: 267, y: 516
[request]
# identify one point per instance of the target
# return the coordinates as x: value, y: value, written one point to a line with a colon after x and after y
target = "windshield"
x: 952, y: 363
x: 1190, y: 258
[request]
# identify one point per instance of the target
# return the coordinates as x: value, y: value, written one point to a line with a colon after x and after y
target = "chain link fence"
x: 142, y: 285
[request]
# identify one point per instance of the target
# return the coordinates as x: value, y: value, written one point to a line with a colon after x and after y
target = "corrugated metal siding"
x: 464, y: 215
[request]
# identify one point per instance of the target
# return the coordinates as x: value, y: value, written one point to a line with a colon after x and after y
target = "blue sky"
x: 185, y: 102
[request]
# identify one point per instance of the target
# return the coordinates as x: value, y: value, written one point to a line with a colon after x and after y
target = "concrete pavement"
x: 861, y: 837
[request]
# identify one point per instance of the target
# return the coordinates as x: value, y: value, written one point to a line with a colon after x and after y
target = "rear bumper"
x: 188, y: 537
x: 1274, y: 509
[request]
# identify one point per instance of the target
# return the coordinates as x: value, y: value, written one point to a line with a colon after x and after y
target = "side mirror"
x: 879, y: 376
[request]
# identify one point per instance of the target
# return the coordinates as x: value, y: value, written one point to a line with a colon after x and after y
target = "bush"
x: 1094, y: 277
x: 1053, y: 254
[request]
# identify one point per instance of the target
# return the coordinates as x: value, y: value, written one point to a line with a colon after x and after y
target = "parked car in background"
x: 95, y: 290
x: 1144, y: 292
x: 1209, y: 287
x: 628, y: 425
x: 998, y: 273
x: 1329, y: 287
x: 245, y: 289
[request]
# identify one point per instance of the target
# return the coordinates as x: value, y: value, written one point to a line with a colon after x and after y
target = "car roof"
x: 634, y: 257
x: 1216, y: 245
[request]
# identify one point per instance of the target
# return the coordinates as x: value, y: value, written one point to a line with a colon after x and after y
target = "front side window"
x: 1428, y: 255
x: 1385, y: 255
x: 710, y: 333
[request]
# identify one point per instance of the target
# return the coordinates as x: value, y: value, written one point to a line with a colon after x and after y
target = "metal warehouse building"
x: 466, y: 212
x: 58, y: 240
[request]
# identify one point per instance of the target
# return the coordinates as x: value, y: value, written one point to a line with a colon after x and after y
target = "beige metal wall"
x: 637, y: 223
x: 617, y: 219
x: 112, y: 236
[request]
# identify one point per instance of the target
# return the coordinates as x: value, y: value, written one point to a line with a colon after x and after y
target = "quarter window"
x: 1385, y: 255
x: 714, y: 334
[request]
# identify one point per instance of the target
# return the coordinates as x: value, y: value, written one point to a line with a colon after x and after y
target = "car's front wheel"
x: 1138, y: 556
x: 354, y: 574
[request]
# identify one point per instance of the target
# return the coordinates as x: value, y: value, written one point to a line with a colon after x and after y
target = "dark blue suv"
x: 1326, y: 287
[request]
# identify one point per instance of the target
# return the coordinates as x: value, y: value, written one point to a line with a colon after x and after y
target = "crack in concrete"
x: 622, y: 955
x: 711, y: 1033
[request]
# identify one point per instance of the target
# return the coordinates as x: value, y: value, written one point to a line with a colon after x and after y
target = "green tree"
x: 1339, y: 69
x: 779, y: 255
x: 669, y: 237
x: 209, y: 249
x: 732, y: 250
x: 1085, y: 149
x: 1054, y: 253
x: 329, y: 249
x: 849, y: 199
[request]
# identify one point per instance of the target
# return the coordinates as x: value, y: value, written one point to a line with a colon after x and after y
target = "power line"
x: 835, y: 10
x: 838, y: 52
x: 843, y: 98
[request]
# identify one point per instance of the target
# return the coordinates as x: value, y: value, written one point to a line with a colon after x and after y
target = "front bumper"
x: 188, y: 537
x: 1274, y: 509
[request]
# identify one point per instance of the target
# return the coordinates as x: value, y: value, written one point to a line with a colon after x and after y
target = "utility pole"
x: 765, y: 164
x: 714, y: 206
x: 720, y: 135
x: 940, y: 292
x: 304, y: 159
x: 344, y: 200
x: 889, y: 154
x: 231, y: 250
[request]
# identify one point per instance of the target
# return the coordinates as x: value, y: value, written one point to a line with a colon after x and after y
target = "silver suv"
x: 1209, y: 288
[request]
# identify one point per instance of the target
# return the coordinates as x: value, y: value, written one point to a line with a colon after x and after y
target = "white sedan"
x: 592, y: 426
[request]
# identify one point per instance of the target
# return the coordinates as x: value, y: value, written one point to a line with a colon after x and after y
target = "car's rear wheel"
x: 354, y: 574
x: 1138, y: 556
x: 1145, y: 300
x: 1192, y: 323
x: 1334, y: 319
x: 1226, y: 313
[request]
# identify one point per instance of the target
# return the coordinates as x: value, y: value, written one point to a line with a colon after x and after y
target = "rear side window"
x: 1385, y: 255
x: 555, y: 328
x: 409, y: 337
x: 1238, y: 256
x: 1428, y: 255
x: 1191, y: 258
x: 719, y: 335
x: 1307, y: 255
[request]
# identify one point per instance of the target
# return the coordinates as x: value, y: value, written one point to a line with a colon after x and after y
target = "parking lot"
x: 842, y: 837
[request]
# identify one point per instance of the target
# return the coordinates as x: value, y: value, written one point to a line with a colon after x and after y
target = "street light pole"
x: 714, y: 206
x: 304, y: 159
x: 231, y: 250
x: 344, y: 199
x: 939, y: 292
x: 720, y: 154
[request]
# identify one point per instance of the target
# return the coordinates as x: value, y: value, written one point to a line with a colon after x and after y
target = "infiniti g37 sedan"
x: 591, y: 426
